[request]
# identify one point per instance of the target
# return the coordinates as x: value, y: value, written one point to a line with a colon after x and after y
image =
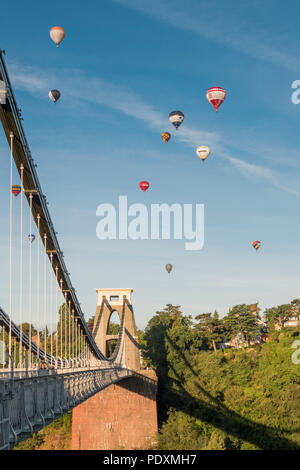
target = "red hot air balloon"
x: 216, y: 95
x: 16, y: 189
x: 144, y: 185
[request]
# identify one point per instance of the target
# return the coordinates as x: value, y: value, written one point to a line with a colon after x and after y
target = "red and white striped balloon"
x: 57, y: 34
x: 216, y: 95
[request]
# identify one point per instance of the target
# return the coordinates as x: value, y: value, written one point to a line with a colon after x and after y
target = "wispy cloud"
x: 251, y: 170
x: 97, y: 91
x: 28, y: 78
x: 120, y: 98
x: 213, y: 21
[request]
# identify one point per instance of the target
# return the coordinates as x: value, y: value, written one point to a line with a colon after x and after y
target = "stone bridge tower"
x: 123, y: 415
x: 117, y: 300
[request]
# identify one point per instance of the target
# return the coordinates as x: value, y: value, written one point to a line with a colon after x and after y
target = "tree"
x: 155, y: 333
x: 284, y: 312
x: 211, y: 328
x: 240, y: 319
x: 90, y: 323
x: 296, y: 310
x: 26, y: 329
x: 270, y: 316
x: 279, y: 315
x: 168, y: 336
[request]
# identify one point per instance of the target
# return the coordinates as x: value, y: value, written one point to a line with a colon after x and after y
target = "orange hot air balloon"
x: 16, y: 189
x: 216, y: 95
x: 166, y: 136
x: 144, y: 185
x: 57, y: 34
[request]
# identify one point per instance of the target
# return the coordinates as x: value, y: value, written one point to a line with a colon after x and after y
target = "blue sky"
x: 123, y: 66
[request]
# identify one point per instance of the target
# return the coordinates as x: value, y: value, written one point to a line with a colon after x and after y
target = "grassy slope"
x: 55, y: 436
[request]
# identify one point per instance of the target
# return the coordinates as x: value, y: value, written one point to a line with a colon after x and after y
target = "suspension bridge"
x: 50, y: 360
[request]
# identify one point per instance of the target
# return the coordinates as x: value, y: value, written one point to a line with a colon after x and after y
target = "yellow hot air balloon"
x: 203, y: 152
x: 166, y: 136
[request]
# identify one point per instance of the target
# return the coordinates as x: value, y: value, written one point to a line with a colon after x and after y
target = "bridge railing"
x: 29, y: 403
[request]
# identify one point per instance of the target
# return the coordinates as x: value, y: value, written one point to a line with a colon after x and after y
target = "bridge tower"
x: 117, y: 300
x: 124, y: 414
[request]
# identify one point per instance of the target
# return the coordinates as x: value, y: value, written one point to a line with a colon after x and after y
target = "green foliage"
x: 61, y: 428
x: 210, y: 328
x: 232, y: 399
x: 213, y: 399
x: 26, y: 329
x: 31, y: 443
x: 114, y: 328
x: 182, y: 432
x: 240, y: 319
x: 277, y: 316
x: 90, y: 323
x: 167, y: 334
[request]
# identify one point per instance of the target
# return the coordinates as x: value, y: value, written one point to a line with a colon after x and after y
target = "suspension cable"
x: 56, y: 314
x: 3, y: 339
x: 61, y: 319
x: 38, y: 287
x: 11, y: 135
x: 51, y: 305
x: 30, y: 276
x: 21, y: 270
x: 76, y: 327
x: 73, y: 333
x: 15, y: 351
x: 65, y: 305
x: 83, y: 348
x: 45, y: 297
x: 69, y: 322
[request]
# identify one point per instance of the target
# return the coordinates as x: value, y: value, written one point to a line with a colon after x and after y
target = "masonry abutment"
x: 123, y: 415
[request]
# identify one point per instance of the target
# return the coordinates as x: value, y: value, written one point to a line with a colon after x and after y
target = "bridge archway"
x: 112, y: 333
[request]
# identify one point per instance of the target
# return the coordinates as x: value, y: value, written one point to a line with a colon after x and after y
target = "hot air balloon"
x: 256, y: 244
x: 57, y: 34
x: 15, y: 189
x: 176, y: 118
x: 31, y: 237
x: 169, y: 268
x: 144, y: 185
x: 216, y: 95
x: 203, y: 152
x: 166, y: 136
x: 54, y: 95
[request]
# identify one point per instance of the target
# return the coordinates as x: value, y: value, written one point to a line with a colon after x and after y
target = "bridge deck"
x: 29, y: 403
